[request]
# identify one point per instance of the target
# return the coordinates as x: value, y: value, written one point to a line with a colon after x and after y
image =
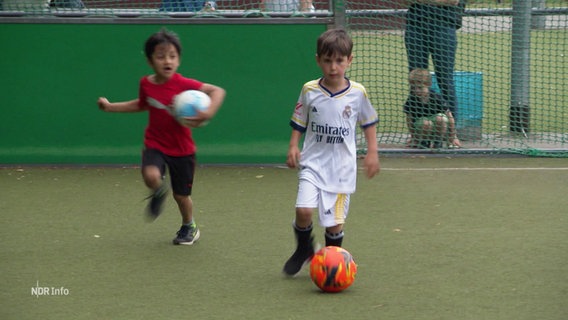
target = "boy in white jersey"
x: 328, y: 112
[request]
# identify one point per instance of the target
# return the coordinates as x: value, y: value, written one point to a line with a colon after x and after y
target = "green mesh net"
x: 509, y: 71
x: 166, y: 8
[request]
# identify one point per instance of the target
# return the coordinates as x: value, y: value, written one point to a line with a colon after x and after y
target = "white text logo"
x: 49, y: 291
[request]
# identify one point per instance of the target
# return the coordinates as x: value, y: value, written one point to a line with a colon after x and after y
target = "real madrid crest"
x: 347, y: 112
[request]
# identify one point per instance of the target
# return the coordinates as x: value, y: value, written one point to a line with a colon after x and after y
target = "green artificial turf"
x: 434, y: 238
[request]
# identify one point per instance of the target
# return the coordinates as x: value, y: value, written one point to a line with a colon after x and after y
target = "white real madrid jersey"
x: 329, y: 122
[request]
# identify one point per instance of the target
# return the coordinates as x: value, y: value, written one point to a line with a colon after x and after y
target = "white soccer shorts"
x: 332, y: 207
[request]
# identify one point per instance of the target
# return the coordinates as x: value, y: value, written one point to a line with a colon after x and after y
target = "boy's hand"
x: 194, y: 122
x: 371, y: 164
x: 200, y: 120
x: 293, y: 158
x: 454, y: 143
x: 103, y: 103
x: 412, y: 143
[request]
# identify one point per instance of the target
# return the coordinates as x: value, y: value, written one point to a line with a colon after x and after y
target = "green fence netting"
x: 166, y: 8
x: 509, y: 73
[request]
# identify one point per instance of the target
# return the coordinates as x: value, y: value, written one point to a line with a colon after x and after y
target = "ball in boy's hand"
x: 187, y: 103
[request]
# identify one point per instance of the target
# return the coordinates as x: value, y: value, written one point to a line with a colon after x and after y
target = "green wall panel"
x: 52, y: 75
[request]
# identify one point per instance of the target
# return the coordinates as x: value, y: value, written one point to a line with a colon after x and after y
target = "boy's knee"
x: 423, y: 124
x: 441, y: 119
x: 427, y: 125
x: 303, y: 216
x: 152, y: 175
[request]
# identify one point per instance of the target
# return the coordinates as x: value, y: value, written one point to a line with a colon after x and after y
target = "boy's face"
x: 334, y: 67
x: 419, y: 88
x: 165, y: 61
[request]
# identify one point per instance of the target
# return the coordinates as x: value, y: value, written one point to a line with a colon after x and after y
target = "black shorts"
x: 181, y: 169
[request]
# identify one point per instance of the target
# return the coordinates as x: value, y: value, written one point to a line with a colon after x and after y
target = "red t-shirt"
x: 163, y: 131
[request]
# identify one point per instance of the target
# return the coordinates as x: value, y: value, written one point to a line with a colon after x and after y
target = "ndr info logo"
x: 49, y: 291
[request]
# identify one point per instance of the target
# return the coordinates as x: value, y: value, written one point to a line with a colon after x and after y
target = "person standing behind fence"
x: 68, y: 4
x: 287, y: 5
x: 431, y: 32
x: 182, y: 5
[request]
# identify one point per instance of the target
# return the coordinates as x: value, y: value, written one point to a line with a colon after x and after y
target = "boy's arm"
x: 410, y: 125
x: 293, y: 157
x: 124, y: 106
x: 371, y: 161
x: 217, y: 95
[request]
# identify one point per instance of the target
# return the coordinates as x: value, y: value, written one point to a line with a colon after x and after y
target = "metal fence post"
x: 339, y: 15
x: 519, y: 112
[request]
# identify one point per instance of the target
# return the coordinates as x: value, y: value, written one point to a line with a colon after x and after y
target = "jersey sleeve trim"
x: 370, y: 124
x: 297, y: 127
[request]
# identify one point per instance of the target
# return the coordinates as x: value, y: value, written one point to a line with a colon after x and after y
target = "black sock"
x: 303, y: 235
x: 333, y: 239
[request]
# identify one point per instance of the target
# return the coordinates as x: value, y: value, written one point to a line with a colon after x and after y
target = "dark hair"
x: 161, y: 37
x: 334, y: 41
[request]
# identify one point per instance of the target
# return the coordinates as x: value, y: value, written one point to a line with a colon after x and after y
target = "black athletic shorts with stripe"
x: 181, y: 169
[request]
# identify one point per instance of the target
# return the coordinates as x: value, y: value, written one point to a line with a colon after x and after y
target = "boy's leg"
x: 422, y: 129
x: 181, y: 174
x: 306, y: 202
x: 304, y: 246
x: 153, y: 172
x: 334, y: 208
x: 185, y: 206
x: 428, y: 132
x: 440, y: 121
x: 333, y: 238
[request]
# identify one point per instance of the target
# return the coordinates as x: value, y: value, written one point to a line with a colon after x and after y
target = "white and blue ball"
x: 187, y: 103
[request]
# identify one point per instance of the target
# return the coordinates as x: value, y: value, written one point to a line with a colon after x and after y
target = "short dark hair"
x: 161, y: 37
x: 334, y: 41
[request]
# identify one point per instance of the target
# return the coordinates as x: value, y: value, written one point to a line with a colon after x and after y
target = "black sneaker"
x: 300, y: 258
x: 438, y: 145
x: 156, y: 204
x: 187, y: 235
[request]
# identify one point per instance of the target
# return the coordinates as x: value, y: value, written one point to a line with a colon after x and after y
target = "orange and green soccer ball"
x: 333, y: 269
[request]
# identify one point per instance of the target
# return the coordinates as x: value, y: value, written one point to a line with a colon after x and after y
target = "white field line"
x: 474, y: 169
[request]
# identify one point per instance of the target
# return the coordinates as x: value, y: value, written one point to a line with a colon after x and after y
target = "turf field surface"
x: 434, y: 238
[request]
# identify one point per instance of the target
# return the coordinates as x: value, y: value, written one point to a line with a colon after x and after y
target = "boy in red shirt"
x: 167, y: 143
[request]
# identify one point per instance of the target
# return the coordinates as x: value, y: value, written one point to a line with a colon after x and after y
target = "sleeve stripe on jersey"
x: 310, y: 85
x: 360, y: 87
x: 366, y: 125
x: 297, y: 127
